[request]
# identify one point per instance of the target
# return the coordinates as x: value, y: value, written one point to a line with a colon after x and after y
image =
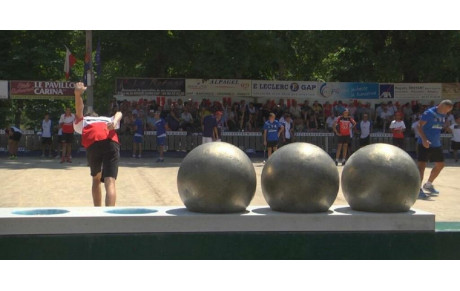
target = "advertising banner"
x: 41, y: 90
x: 336, y: 90
x: 284, y: 89
x: 3, y: 89
x: 150, y: 87
x: 218, y: 87
x: 451, y: 91
x: 417, y: 91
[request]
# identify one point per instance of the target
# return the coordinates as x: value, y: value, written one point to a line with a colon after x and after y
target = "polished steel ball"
x: 380, y: 178
x: 300, y: 177
x: 216, y: 177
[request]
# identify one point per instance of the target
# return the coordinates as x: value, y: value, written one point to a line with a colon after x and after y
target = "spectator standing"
x: 160, y: 127
x: 209, y: 129
x: 429, y: 144
x: 455, y: 142
x: 46, y: 135
x: 295, y: 110
x: 150, y: 122
x: 66, y: 123
x: 288, y: 132
x: 138, y: 139
x: 14, y: 136
x: 187, y: 120
x: 330, y: 122
x: 344, y: 124
x: 339, y: 109
x: 272, y: 132
x: 173, y: 119
x: 398, y: 128
x: 220, y: 125
x: 312, y: 123
x: 364, y: 128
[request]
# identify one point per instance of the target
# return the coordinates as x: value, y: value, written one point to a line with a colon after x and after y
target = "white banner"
x: 218, y: 87
x: 3, y: 89
x: 418, y: 91
x: 284, y: 89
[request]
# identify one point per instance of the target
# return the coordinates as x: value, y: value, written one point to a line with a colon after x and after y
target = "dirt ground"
x: 36, y: 182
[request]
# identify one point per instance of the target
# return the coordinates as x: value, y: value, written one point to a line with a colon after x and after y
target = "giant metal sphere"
x: 300, y: 177
x: 380, y: 178
x: 216, y: 177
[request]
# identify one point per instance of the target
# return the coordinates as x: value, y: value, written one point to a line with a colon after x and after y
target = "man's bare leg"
x: 435, y: 171
x: 421, y: 169
x: 96, y: 190
x: 110, y: 191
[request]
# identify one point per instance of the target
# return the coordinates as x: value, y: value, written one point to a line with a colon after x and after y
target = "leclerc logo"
x: 294, y: 87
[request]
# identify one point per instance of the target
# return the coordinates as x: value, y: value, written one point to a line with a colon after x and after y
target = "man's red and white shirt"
x: 93, y: 129
x: 67, y: 123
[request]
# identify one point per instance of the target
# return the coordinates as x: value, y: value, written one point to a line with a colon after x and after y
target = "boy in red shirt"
x: 398, y: 127
x: 342, y: 127
x: 102, y: 148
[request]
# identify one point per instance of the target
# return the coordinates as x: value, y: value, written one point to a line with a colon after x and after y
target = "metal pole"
x: 90, y: 79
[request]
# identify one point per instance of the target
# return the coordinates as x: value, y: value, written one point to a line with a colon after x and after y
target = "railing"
x: 181, y: 141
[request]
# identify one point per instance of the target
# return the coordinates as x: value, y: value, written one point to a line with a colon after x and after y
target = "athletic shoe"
x: 423, y: 196
x: 343, y: 162
x: 62, y: 160
x: 159, y: 160
x: 69, y: 160
x: 432, y: 191
x: 336, y: 163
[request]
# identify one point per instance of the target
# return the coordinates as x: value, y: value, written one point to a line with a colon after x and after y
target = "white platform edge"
x: 92, y: 220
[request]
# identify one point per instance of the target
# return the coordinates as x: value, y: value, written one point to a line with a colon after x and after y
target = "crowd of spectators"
x: 250, y: 117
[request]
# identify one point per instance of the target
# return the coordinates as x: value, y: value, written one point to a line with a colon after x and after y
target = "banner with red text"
x: 41, y: 90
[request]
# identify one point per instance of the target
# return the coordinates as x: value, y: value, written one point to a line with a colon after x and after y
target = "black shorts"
x: 364, y: 141
x: 455, y: 145
x: 434, y: 155
x: 103, y: 156
x: 16, y: 136
x: 46, y: 140
x: 67, y: 137
x: 399, y: 142
x: 272, y: 144
x: 343, y: 139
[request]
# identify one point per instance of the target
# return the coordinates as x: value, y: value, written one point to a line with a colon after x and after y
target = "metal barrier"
x: 181, y: 141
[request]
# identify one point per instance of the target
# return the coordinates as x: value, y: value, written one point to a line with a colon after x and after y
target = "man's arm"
x: 425, y: 141
x: 79, y: 89
x: 116, y: 121
x: 215, y: 133
x: 281, y: 131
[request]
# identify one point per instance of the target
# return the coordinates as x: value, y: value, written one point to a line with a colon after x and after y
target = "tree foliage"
x: 345, y: 56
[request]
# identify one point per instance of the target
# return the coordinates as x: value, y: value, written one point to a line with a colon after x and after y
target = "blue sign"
x: 336, y: 90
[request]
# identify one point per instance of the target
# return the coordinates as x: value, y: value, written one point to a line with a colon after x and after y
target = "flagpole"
x: 90, y: 78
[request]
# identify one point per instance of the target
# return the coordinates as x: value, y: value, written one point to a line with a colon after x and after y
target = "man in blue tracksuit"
x: 272, y: 131
x: 160, y: 126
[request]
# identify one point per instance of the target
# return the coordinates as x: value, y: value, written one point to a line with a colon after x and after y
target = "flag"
x: 98, y: 57
x: 68, y: 63
x: 85, y: 69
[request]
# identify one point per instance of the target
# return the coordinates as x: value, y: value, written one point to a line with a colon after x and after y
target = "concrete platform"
x: 90, y: 220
